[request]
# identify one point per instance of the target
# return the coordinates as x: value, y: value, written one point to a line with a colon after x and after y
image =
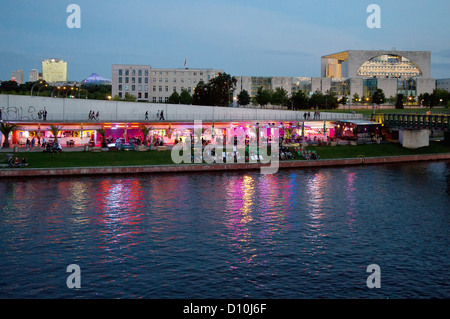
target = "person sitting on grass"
x: 16, y: 162
x: 23, y: 162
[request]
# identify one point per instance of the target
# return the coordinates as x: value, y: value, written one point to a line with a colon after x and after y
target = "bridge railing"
x: 432, y: 121
x: 77, y: 118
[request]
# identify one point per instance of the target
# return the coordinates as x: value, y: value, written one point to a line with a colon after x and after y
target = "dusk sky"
x: 242, y: 37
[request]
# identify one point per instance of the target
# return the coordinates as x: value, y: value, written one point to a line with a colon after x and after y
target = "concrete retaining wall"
x: 26, y: 108
x: 27, y: 172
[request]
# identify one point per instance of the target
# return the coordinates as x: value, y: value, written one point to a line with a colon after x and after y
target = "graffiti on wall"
x: 15, y: 113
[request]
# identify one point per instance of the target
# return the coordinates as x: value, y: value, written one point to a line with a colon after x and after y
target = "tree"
x: 244, y: 98
x: 399, y: 102
x: 280, y: 97
x: 299, y: 100
x: 378, y: 97
x: 145, y: 130
x: 102, y: 133
x: 317, y: 100
x: 129, y: 97
x: 174, y: 98
x: 331, y: 100
x: 185, y: 98
x: 7, y: 128
x: 343, y: 100
x: 263, y: 96
x: 55, y: 130
x: 9, y: 86
x: 203, y: 94
x: 221, y: 89
x: 217, y: 91
x: 356, y: 98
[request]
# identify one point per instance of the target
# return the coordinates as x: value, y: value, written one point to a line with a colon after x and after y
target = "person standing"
x: 158, y: 115
x: 0, y: 114
x: 97, y: 115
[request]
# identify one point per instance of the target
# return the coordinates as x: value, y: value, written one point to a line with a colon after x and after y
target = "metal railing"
x: 415, y: 121
x: 103, y: 118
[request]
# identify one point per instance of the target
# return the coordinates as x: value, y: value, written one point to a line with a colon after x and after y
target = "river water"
x: 306, y: 233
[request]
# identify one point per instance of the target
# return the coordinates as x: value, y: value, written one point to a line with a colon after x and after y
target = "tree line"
x: 42, y: 88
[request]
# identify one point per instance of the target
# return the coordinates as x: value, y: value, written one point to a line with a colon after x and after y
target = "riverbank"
x: 178, y: 168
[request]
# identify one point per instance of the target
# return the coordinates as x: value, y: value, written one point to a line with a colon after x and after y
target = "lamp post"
x: 56, y: 88
x: 40, y: 82
x: 46, y: 85
x: 60, y: 91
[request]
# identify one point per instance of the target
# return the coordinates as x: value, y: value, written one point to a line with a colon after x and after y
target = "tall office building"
x: 34, y: 75
x: 54, y: 70
x: 17, y: 76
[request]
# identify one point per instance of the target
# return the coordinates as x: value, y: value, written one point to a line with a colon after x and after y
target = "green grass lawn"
x: 406, y: 110
x: 88, y: 159
x: 132, y: 158
x: 376, y: 150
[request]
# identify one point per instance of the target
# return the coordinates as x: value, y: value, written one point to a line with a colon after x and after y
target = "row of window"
x: 133, y: 72
x: 146, y: 72
x: 160, y: 80
x: 160, y: 88
x: 145, y: 96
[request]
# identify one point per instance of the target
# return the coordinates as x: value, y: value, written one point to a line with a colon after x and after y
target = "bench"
x: 13, y: 166
x: 162, y: 148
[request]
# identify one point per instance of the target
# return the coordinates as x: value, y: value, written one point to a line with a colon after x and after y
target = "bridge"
x: 414, y: 121
x: 414, y: 129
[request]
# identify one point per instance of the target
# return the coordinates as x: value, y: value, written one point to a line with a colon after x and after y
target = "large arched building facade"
x: 406, y: 72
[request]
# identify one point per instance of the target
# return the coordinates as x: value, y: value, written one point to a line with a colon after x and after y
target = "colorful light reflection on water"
x: 296, y: 234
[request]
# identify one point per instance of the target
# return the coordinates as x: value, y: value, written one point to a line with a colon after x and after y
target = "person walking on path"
x: 158, y: 115
x: 162, y: 115
x: 146, y: 115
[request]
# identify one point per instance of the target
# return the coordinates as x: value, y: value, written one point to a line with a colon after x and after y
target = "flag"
x: 185, y: 60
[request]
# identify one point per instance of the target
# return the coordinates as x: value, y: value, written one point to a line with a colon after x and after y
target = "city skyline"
x: 257, y: 38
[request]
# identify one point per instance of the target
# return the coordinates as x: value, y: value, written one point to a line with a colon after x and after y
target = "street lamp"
x: 40, y: 82
x: 56, y: 88
x: 46, y: 85
x: 60, y: 91
x: 69, y: 91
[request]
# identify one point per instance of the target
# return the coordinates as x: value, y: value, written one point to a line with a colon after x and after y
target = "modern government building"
x: 345, y: 73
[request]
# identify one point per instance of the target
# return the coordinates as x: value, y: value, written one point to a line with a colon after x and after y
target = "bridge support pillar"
x: 414, y: 138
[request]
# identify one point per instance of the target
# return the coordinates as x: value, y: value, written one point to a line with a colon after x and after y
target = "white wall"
x: 26, y: 108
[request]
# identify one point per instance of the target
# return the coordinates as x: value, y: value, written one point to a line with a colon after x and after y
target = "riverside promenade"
x: 185, y: 168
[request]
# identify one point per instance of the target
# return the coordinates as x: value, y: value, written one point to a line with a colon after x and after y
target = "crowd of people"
x: 307, y: 115
x: 17, y: 163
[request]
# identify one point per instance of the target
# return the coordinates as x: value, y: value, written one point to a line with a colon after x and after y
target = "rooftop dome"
x: 96, y: 79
